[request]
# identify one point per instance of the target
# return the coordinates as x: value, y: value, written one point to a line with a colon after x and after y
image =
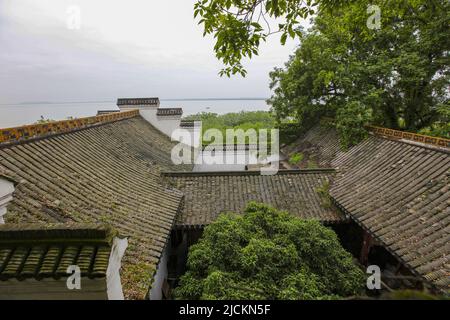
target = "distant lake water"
x: 21, y: 114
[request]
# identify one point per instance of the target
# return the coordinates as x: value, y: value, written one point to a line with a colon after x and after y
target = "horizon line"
x: 105, y: 101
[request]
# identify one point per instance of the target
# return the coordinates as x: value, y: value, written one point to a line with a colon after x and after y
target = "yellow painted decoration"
x: 16, y: 134
x: 397, y: 134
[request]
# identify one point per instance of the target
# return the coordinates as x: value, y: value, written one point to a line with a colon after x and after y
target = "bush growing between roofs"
x: 350, y: 122
x: 269, y: 254
x: 296, y: 158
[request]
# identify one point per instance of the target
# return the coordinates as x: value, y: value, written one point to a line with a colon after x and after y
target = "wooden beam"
x: 365, y: 249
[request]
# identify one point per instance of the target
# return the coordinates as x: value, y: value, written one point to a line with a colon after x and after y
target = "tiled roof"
x: 45, y: 130
x: 108, y: 173
x: 398, y: 191
x: 409, y: 136
x: 401, y: 194
x: 320, y: 143
x: 102, y: 112
x: 187, y: 123
x: 207, y: 194
x: 169, y: 112
x: 37, y: 251
x: 138, y: 101
x: 232, y: 147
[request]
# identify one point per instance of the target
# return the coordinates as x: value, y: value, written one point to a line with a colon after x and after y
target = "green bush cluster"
x: 296, y: 158
x: 350, y: 122
x: 244, y: 120
x: 400, y: 71
x: 268, y: 254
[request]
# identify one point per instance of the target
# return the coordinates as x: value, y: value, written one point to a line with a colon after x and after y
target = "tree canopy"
x: 239, y: 26
x: 238, y: 120
x: 244, y: 120
x: 268, y: 254
x: 396, y: 75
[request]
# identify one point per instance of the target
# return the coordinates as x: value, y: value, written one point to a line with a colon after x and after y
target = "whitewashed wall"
x: 165, y: 124
x: 161, y: 275
x: 113, y: 283
x: 6, y: 191
x: 230, y: 160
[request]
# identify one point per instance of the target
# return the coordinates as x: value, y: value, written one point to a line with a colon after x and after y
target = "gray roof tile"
x: 209, y: 194
x: 108, y: 174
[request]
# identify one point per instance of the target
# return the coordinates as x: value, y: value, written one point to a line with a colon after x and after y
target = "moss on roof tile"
x: 40, y: 251
x: 108, y: 173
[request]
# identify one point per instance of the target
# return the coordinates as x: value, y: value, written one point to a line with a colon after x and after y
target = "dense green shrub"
x: 350, y: 122
x: 244, y: 120
x: 296, y: 158
x: 400, y: 69
x: 268, y: 254
x: 289, y: 131
x: 441, y: 127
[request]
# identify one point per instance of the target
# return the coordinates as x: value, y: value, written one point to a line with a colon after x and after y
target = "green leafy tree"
x: 401, y: 71
x: 239, y: 26
x: 244, y: 120
x: 268, y: 254
x: 296, y: 158
x: 441, y: 127
x: 351, y: 121
x: 307, y: 89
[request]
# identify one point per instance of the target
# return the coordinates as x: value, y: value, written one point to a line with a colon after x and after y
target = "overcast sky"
x: 123, y: 48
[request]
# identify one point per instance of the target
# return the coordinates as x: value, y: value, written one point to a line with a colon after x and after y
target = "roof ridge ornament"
x: 34, y: 131
x: 138, y: 101
x: 405, y: 136
x: 410, y: 137
x: 169, y: 111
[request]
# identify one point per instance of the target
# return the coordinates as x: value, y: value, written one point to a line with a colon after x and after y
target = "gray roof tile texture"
x: 107, y: 174
x: 36, y: 251
x: 401, y: 193
x: 209, y: 194
x: 169, y: 111
x: 398, y: 191
x: 137, y: 101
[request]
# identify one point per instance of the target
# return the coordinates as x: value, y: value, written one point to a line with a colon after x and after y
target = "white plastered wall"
x: 6, y: 191
x: 113, y: 283
x: 165, y: 124
x: 160, y: 276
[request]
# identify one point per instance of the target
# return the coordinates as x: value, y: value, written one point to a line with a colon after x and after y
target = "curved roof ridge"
x: 25, y: 133
x: 169, y: 111
x: 418, y: 139
x: 105, y: 174
x: 406, y: 136
x: 243, y: 173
